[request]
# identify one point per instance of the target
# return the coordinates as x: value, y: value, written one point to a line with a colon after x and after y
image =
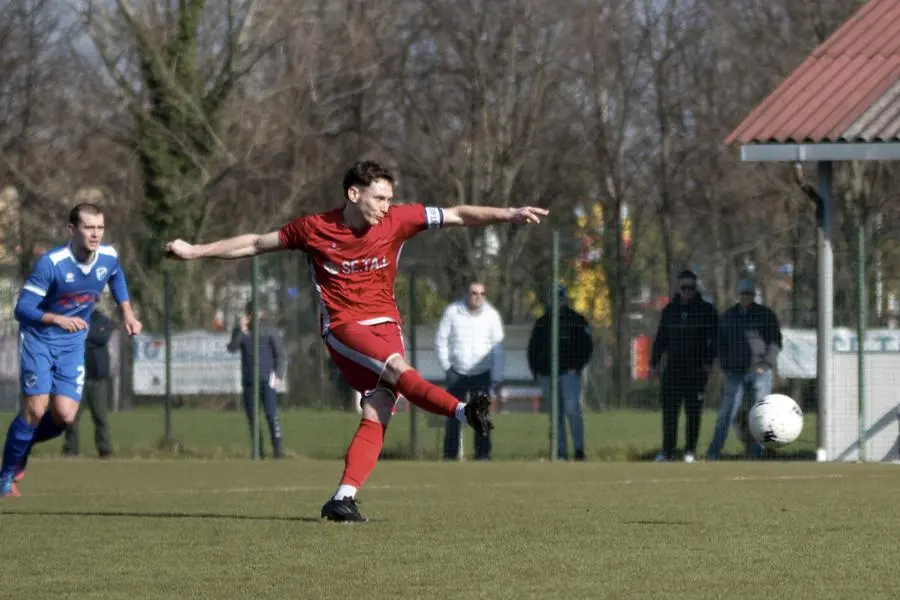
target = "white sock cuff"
x: 461, y: 412
x: 344, y: 491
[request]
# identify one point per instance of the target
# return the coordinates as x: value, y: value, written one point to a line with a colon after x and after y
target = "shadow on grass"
x: 156, y: 515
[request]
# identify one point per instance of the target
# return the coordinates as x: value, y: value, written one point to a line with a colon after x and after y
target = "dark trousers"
x: 269, y: 400
x: 460, y: 388
x: 96, y: 398
x: 687, y: 390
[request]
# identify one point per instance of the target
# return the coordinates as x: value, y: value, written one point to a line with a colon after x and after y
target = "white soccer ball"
x: 775, y: 421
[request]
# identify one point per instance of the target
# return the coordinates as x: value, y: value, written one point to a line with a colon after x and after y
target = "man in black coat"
x: 687, y: 337
x: 96, y: 387
x: 576, y: 345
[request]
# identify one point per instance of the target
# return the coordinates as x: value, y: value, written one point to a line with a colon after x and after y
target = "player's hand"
x: 70, y: 324
x: 528, y: 214
x: 133, y: 326
x: 180, y: 250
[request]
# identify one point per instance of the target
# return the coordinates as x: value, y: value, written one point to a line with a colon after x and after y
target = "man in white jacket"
x: 469, y: 345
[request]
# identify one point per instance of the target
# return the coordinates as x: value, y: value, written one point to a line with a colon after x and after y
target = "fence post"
x: 167, y: 324
x: 825, y: 300
x: 554, y: 350
x: 413, y: 323
x: 254, y: 330
x: 861, y: 332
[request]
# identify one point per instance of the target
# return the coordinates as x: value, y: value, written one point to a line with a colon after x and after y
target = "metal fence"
x: 199, y: 374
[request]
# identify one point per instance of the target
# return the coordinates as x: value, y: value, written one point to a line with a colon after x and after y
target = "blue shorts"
x: 44, y: 369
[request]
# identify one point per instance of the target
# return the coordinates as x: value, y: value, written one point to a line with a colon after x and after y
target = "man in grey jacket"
x: 271, y: 371
x: 749, y: 342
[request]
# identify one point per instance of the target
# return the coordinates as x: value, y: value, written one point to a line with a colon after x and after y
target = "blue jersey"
x: 61, y: 285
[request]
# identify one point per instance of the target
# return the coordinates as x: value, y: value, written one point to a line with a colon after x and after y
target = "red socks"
x: 365, y: 448
x: 363, y: 453
x: 426, y: 396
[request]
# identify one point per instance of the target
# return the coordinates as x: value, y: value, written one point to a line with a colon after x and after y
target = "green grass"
x: 234, y: 529
x: 612, y: 435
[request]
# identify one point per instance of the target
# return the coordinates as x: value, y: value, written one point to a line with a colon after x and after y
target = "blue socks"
x: 21, y: 437
x: 18, y: 442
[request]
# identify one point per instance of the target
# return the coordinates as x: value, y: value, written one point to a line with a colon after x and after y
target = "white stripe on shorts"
x: 359, y: 358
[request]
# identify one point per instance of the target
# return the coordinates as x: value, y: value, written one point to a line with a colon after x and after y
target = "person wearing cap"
x: 749, y: 342
x: 686, y: 337
x: 575, y: 348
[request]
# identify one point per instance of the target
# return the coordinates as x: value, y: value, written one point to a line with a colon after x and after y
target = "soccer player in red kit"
x: 353, y: 253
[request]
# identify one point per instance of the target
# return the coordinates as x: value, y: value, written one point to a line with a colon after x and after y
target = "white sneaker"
x: 688, y: 457
x: 660, y: 458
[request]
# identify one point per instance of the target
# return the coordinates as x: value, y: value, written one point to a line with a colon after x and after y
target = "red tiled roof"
x: 847, y: 90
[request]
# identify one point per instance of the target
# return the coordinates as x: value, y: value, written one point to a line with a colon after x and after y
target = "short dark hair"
x: 687, y: 274
x: 86, y: 208
x: 364, y: 173
x: 248, y: 308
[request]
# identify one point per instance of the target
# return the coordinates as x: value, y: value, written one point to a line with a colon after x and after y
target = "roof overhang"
x: 820, y: 152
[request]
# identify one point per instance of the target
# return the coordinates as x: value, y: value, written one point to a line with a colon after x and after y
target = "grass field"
x: 234, y: 529
x: 613, y: 435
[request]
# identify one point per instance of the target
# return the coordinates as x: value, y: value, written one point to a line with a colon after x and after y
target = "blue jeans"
x: 569, y: 408
x: 759, y: 385
x: 460, y: 386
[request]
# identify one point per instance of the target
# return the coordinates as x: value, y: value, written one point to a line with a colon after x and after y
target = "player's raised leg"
x: 436, y: 399
x: 370, y: 356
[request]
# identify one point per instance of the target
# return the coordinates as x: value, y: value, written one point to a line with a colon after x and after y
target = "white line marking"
x: 423, y: 486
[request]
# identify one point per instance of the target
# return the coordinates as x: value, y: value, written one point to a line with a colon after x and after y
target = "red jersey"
x: 353, y: 271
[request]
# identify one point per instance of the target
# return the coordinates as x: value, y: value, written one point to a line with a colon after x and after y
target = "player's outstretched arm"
x: 242, y: 246
x: 475, y: 216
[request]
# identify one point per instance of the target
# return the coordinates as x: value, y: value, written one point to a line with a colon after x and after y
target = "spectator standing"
x: 576, y: 346
x: 469, y: 345
x: 271, y: 372
x: 749, y: 342
x: 686, y: 336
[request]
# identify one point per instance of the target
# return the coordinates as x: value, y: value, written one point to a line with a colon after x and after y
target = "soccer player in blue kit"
x: 53, y: 310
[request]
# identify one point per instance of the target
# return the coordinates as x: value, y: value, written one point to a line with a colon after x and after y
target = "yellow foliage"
x: 588, y: 291
x: 589, y: 294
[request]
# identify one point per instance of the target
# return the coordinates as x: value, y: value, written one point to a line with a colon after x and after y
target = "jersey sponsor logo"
x: 76, y: 299
x: 70, y: 277
x: 364, y: 265
x: 101, y: 273
x: 331, y: 268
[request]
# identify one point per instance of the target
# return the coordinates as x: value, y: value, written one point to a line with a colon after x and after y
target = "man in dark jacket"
x: 575, y: 348
x: 96, y: 387
x: 271, y: 372
x: 687, y: 337
x: 749, y: 343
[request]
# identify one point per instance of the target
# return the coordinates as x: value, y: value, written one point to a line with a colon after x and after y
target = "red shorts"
x: 361, y: 353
